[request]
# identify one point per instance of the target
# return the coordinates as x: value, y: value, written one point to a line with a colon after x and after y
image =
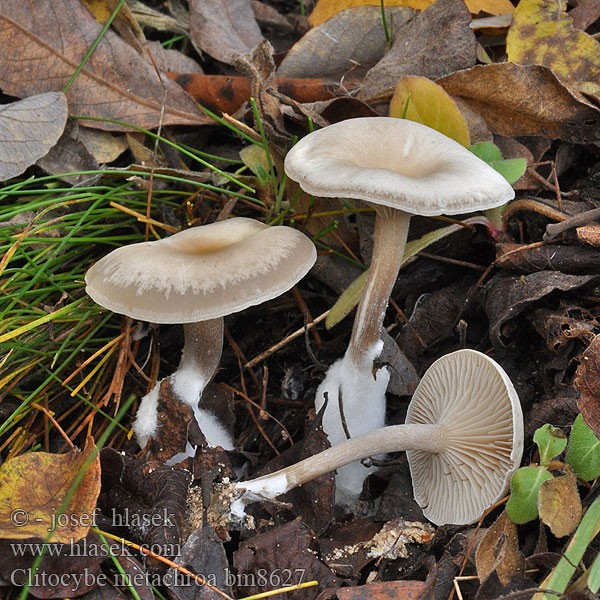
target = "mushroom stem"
x: 394, y: 438
x: 391, y: 231
x: 202, y: 348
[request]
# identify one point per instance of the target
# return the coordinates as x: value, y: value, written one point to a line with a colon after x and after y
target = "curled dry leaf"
x: 436, y: 42
x: 224, y: 28
x: 541, y: 33
x: 28, y: 129
x: 525, y: 100
x: 587, y: 382
x: 42, y: 47
x: 34, y: 487
x: 349, y: 43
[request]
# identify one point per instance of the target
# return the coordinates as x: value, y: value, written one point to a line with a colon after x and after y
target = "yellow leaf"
x: 34, y: 487
x: 325, y: 9
x: 428, y: 103
x: 542, y: 34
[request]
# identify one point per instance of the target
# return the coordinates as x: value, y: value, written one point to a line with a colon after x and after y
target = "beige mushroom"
x: 400, y: 168
x: 463, y: 436
x: 196, y: 277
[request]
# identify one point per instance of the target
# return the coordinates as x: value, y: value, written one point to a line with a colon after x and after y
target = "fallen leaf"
x: 420, y: 99
x: 43, y: 47
x: 559, y: 504
x: 34, y: 486
x: 587, y: 382
x: 168, y: 59
x: 28, y: 129
x: 525, y: 100
x: 585, y: 14
x: 288, y: 551
x: 506, y: 296
x: 325, y: 9
x: 351, y: 42
x: 541, y: 33
x: 224, y: 28
x: 384, y: 590
x: 583, y: 452
x: 436, y: 42
x: 499, y: 551
x: 568, y: 259
x: 102, y: 145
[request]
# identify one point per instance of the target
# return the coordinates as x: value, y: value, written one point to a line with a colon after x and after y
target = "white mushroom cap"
x: 471, y: 397
x: 396, y: 163
x: 201, y: 273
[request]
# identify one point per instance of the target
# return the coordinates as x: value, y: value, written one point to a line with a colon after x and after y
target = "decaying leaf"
x: 384, y: 590
x: 436, y: 42
x: 420, y: 99
x: 525, y: 100
x: 116, y: 82
x: 28, y: 129
x: 587, y: 382
x: 224, y: 28
x: 349, y: 43
x: 499, y: 551
x: 541, y: 33
x: 102, y: 145
x: 507, y: 296
x: 325, y: 9
x: 559, y: 504
x: 34, y: 487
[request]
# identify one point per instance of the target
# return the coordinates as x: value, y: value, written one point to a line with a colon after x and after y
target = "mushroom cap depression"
x: 474, y: 401
x: 396, y: 163
x: 201, y: 273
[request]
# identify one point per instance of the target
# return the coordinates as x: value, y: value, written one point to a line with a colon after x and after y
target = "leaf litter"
x: 498, y: 286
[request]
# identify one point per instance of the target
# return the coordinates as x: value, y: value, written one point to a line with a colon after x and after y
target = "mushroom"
x: 400, y: 168
x: 463, y: 436
x: 196, y: 277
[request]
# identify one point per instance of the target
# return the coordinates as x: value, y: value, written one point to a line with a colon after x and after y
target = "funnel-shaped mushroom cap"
x: 471, y: 397
x: 201, y: 273
x: 396, y: 163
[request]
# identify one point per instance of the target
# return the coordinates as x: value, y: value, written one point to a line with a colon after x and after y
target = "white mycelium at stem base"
x: 196, y: 277
x: 400, y: 168
x: 463, y: 437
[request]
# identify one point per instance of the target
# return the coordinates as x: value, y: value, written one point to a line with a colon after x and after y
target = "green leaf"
x: 551, y: 442
x: 349, y: 298
x: 583, y: 453
x: 486, y: 151
x: 511, y: 169
x: 522, y: 506
x: 593, y: 578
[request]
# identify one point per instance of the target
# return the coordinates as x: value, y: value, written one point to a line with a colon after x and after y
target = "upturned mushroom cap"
x: 201, y: 273
x: 396, y: 163
x: 471, y: 397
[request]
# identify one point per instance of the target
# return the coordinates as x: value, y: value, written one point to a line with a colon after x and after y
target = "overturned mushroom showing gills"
x: 463, y: 436
x: 196, y: 277
x: 400, y: 168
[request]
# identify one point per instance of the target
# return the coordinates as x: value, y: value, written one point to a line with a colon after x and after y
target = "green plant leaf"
x: 511, y: 169
x: 593, y: 578
x: 349, y: 298
x: 583, y: 453
x: 486, y: 151
x: 522, y: 506
x: 561, y: 574
x: 551, y: 442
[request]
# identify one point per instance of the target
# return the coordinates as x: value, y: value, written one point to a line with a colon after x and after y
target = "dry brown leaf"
x: 350, y: 42
x: 34, y: 486
x: 559, y: 504
x: 102, y: 145
x: 525, y: 100
x: 224, y: 28
x: 499, y: 551
x: 587, y: 382
x: 28, y: 129
x: 44, y: 42
x: 384, y: 590
x: 436, y: 42
x: 325, y: 9
x: 172, y: 60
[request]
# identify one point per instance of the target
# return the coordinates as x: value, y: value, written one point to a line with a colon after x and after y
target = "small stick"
x: 285, y: 341
x: 555, y: 229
